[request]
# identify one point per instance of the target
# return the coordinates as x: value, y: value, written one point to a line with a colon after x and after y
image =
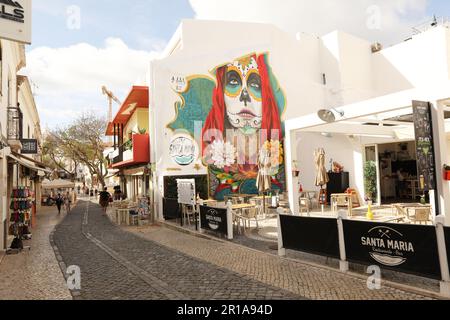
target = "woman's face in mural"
x: 243, y: 97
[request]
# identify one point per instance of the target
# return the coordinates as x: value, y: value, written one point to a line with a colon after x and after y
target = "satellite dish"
x: 327, y: 116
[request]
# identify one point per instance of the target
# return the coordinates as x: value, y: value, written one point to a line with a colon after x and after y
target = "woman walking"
x: 104, y: 200
x: 59, y: 202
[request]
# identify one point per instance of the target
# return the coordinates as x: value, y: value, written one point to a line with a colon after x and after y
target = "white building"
x: 306, y: 74
x: 20, y: 133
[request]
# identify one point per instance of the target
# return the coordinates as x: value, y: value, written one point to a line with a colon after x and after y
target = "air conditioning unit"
x: 376, y: 47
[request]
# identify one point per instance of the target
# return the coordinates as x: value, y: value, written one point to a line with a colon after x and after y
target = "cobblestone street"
x: 317, y: 283
x: 158, y: 263
x: 116, y: 264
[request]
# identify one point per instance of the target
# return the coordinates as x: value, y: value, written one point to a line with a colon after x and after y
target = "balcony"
x: 134, y: 152
x: 14, y: 131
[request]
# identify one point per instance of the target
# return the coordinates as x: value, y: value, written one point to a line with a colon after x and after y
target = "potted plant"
x: 370, y: 181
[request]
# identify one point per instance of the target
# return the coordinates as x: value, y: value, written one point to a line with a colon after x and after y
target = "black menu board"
x: 426, y: 164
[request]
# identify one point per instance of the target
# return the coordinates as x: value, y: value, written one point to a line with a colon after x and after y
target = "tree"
x: 57, y: 158
x: 82, y: 143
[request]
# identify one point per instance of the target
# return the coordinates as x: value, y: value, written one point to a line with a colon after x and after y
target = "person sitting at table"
x: 401, y: 183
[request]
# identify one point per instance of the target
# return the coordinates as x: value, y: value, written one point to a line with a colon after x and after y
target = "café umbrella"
x: 264, y: 179
x: 322, y: 177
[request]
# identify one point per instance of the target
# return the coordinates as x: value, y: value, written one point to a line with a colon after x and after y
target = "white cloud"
x: 69, y: 79
x: 321, y: 16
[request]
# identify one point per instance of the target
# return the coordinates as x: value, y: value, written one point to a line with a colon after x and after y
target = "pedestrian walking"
x: 59, y: 200
x: 67, y: 202
x: 104, y: 200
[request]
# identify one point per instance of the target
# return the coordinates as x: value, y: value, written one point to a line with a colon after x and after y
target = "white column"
x: 442, y: 158
x: 281, y: 249
x: 343, y: 263
x: 291, y: 154
x: 443, y: 259
x: 230, y: 220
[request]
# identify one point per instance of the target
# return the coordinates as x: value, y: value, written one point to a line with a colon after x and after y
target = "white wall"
x: 341, y: 149
x: 206, y: 45
x: 416, y: 63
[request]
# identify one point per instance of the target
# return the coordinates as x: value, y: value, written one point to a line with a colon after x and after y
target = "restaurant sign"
x: 15, y: 20
x: 312, y: 235
x: 214, y: 219
x: 29, y: 146
x: 403, y: 248
x: 423, y: 127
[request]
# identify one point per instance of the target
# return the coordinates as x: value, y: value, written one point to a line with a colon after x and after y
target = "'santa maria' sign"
x: 404, y: 248
x: 387, y: 246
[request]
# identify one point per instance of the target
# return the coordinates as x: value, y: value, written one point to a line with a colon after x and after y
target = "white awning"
x: 30, y: 165
x: 58, y: 184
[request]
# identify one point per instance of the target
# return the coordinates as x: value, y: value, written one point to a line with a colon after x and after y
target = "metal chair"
x: 421, y: 216
x: 304, y: 205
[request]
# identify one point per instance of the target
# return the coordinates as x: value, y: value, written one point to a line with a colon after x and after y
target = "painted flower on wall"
x: 223, y: 154
x: 276, y: 150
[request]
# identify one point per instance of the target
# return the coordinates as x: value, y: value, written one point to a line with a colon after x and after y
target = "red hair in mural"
x: 215, y: 122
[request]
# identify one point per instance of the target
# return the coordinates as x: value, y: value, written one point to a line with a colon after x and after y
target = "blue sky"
x: 117, y: 39
x: 142, y: 24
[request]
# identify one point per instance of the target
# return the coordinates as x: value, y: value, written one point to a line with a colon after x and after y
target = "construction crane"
x: 111, y: 98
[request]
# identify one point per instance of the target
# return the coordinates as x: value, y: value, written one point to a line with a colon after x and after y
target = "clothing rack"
x: 21, y: 218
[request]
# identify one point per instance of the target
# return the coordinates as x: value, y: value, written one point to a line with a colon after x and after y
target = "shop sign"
x: 312, y: 235
x: 423, y: 126
x: 179, y: 83
x: 403, y: 248
x: 29, y: 146
x: 15, y: 20
x: 186, y: 192
x: 183, y: 150
x: 214, y: 219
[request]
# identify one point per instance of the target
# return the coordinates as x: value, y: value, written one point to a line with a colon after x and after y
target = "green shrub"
x: 370, y: 181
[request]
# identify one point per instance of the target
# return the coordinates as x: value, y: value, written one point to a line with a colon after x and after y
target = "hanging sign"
x: 426, y: 164
x: 311, y: 235
x: 214, y: 219
x: 29, y: 146
x: 15, y: 20
x: 403, y: 248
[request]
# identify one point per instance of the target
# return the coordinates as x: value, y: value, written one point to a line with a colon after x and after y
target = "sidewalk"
x: 311, y: 282
x: 35, y: 274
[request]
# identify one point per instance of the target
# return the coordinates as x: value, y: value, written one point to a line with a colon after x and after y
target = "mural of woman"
x: 245, y: 115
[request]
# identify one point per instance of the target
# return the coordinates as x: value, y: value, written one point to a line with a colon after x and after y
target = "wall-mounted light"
x: 329, y: 116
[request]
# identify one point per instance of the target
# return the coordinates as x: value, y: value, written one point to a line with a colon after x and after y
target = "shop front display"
x: 21, y: 216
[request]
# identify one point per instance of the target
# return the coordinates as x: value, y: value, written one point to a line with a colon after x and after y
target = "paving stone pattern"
x: 302, y: 279
x: 116, y: 264
x: 35, y: 274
